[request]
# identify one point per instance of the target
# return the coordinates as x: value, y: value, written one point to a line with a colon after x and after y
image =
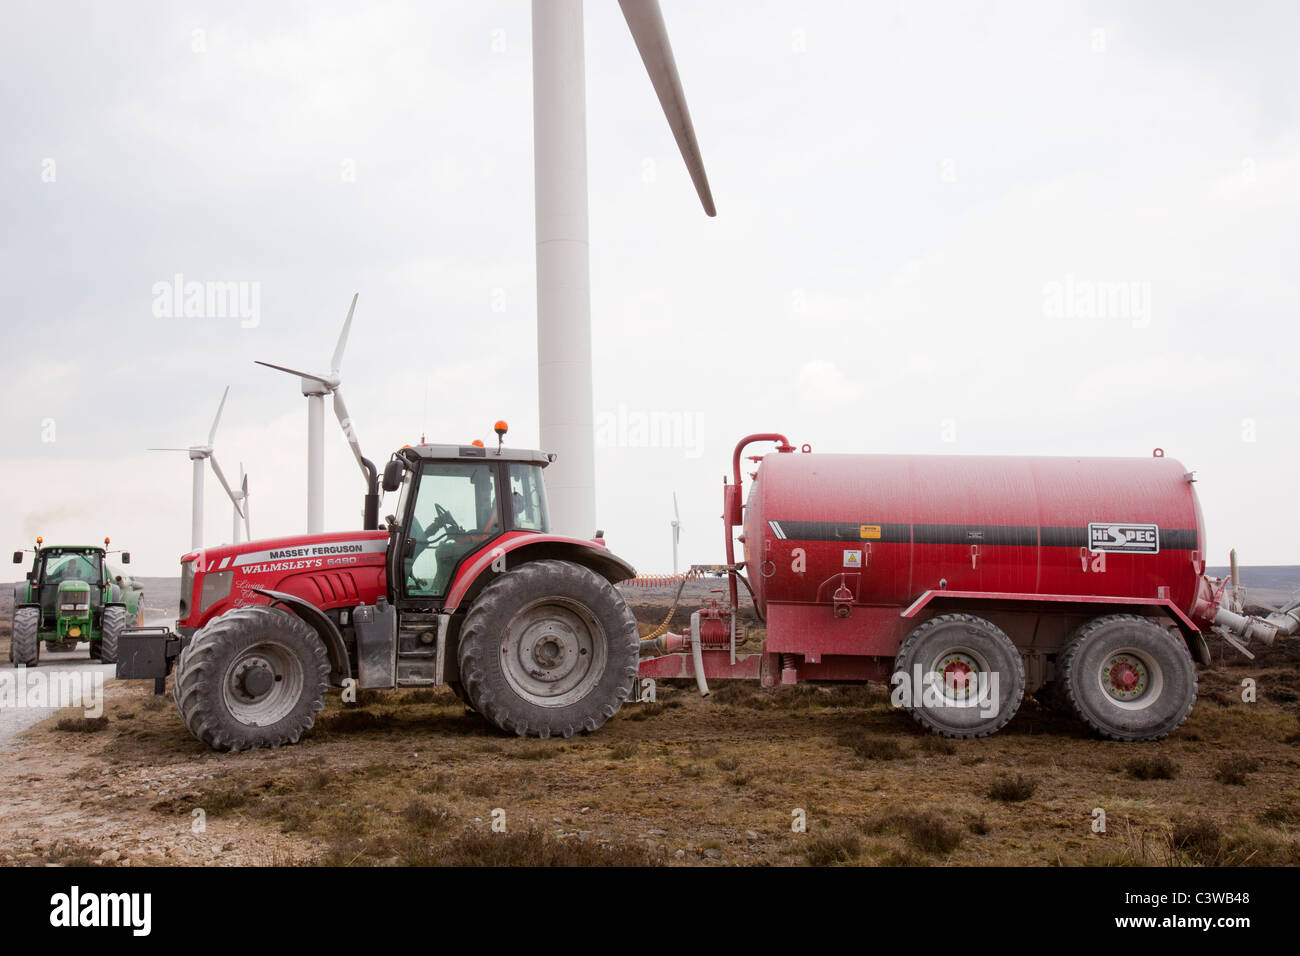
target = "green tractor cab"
x: 72, y: 595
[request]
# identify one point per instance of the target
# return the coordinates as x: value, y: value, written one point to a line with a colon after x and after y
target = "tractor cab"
x: 69, y: 584
x: 454, y: 501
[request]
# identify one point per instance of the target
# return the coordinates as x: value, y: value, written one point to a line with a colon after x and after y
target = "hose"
x: 663, y: 626
x: 697, y: 658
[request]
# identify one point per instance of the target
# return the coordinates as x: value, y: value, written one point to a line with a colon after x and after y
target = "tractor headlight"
x: 67, y: 607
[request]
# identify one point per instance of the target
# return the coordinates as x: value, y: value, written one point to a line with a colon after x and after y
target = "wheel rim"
x: 553, y: 652
x: 955, y: 673
x: 263, y: 684
x: 1130, y: 678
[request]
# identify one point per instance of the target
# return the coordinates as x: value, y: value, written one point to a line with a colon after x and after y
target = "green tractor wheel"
x: 113, y: 624
x: 25, y: 645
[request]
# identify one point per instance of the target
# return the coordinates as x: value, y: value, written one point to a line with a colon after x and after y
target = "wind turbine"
x: 563, y: 256
x: 197, y: 454
x: 677, y: 530
x: 315, y: 387
x: 240, y: 501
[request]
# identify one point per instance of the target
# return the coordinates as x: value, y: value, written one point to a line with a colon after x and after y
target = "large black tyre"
x: 956, y: 648
x: 25, y: 644
x: 110, y: 631
x: 1128, y: 678
x: 458, y: 689
x: 548, y: 648
x: 253, y: 677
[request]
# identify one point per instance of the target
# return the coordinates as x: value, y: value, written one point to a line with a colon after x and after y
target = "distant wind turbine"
x: 197, y: 454
x: 315, y: 387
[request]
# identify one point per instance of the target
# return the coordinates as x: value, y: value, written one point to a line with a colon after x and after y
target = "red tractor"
x: 466, y: 586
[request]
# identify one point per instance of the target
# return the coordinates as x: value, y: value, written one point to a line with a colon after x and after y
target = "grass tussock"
x: 1015, y: 789
x: 871, y: 747
x: 352, y: 721
x: 82, y: 725
x: 1234, y: 770
x: 831, y: 848
x: 1159, y: 767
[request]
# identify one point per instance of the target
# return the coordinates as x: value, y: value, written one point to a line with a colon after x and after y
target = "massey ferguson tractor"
x: 466, y: 586
x: 72, y: 595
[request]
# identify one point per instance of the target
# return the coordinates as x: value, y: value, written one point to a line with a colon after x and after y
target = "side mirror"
x: 393, y: 475
x: 126, y: 557
x: 18, y: 557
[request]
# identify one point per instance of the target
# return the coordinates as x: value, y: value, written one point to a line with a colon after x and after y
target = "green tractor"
x: 72, y: 594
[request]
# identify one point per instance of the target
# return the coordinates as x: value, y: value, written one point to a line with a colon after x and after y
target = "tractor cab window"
x: 455, y: 512
x: 528, y: 498
x: 71, y: 567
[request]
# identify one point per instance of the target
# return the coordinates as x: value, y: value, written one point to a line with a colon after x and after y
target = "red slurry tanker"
x: 969, y: 581
x: 966, y: 582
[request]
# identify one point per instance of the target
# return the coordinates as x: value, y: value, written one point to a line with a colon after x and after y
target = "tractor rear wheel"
x: 1128, y: 678
x: 25, y: 645
x: 253, y: 677
x: 972, y: 675
x: 548, y: 648
x: 110, y: 631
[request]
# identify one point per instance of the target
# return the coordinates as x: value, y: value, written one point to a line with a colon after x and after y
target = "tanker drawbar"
x: 967, y: 582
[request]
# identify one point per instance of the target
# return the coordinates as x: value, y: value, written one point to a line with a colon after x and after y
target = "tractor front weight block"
x: 148, y: 652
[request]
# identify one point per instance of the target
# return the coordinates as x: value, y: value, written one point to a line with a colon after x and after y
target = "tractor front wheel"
x: 253, y: 677
x: 105, y: 649
x: 548, y: 648
x: 24, y: 644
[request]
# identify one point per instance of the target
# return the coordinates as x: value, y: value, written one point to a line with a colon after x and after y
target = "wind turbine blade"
x: 337, y: 360
x: 293, y: 371
x: 166, y: 449
x: 221, y: 477
x: 248, y: 527
x: 646, y: 21
x: 677, y: 515
x: 217, y: 420
x: 349, y: 432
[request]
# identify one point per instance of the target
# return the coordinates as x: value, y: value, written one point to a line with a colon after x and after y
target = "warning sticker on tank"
x: 1130, y: 538
x: 871, y: 531
x: 853, y: 559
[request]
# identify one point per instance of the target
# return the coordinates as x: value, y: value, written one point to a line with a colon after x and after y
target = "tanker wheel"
x: 25, y: 644
x: 1128, y: 678
x: 549, y: 647
x: 972, y: 676
x: 110, y: 631
x: 253, y: 677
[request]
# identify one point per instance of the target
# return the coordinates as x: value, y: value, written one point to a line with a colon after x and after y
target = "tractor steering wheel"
x: 446, y: 521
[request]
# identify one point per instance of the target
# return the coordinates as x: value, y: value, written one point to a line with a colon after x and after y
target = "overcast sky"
x: 961, y: 228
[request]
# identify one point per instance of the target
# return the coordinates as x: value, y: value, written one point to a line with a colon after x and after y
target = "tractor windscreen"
x: 456, y: 510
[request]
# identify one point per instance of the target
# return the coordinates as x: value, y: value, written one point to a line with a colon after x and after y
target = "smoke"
x: 34, y: 522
